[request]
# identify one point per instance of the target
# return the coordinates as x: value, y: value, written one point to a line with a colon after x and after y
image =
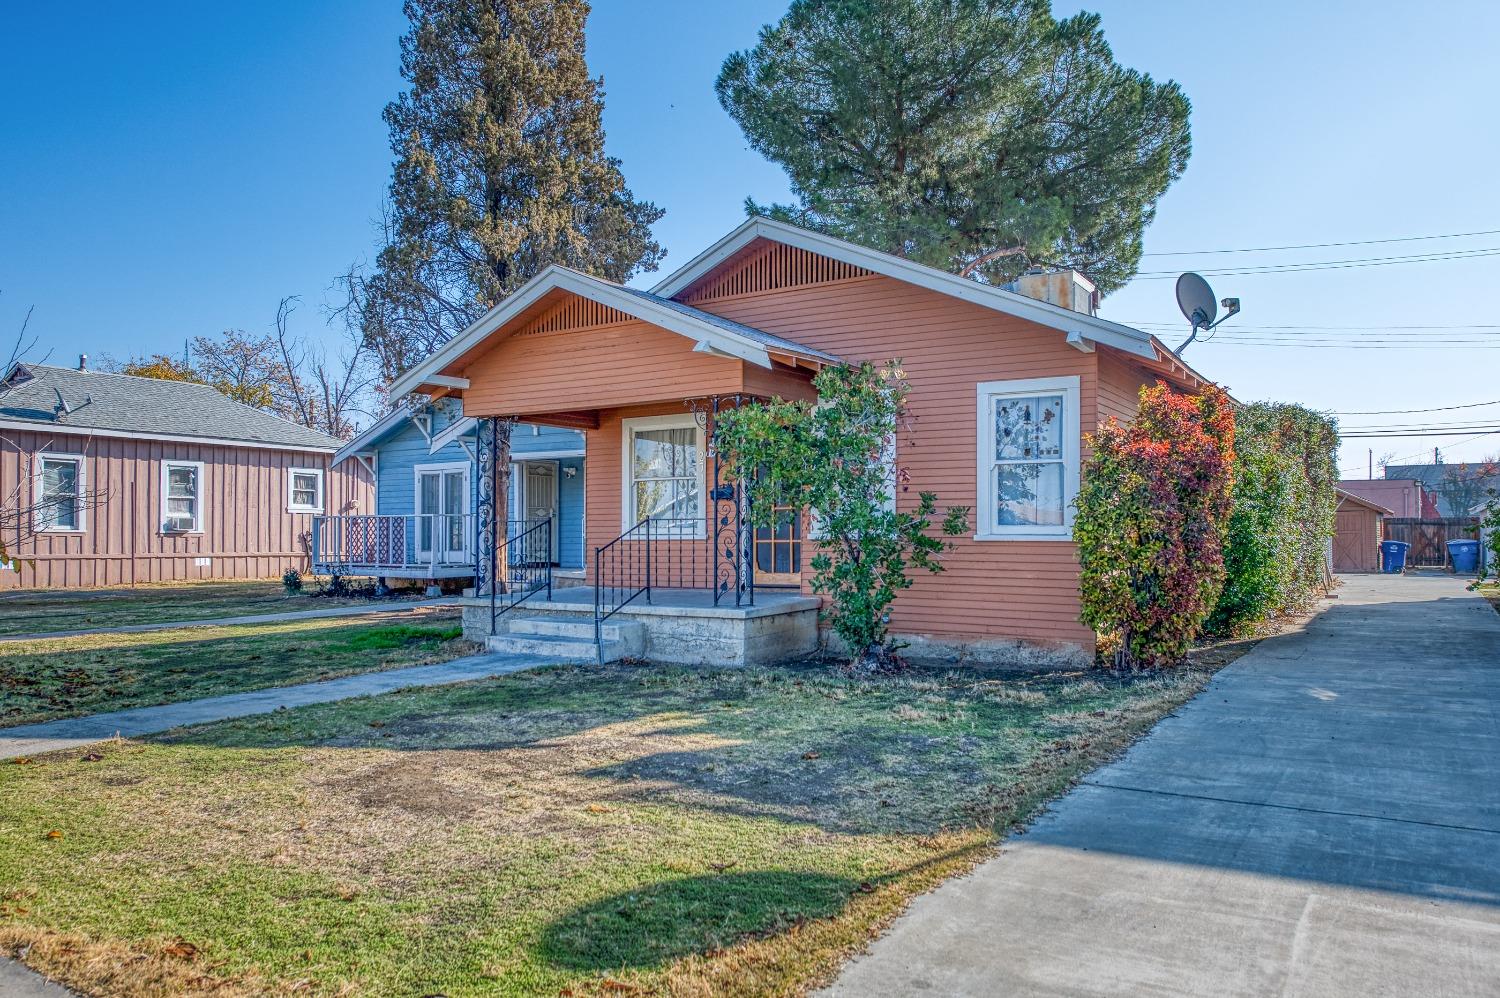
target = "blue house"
x: 426, y: 489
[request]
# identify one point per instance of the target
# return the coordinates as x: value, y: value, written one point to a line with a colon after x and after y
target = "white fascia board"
x: 367, y: 440
x: 587, y: 287
x: 64, y: 429
x: 451, y: 432
x: 524, y: 296
x: 997, y: 299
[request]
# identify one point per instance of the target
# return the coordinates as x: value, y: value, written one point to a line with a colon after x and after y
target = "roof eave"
x: 1088, y: 327
x: 561, y: 278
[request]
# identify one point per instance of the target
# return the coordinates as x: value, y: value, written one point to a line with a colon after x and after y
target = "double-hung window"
x: 304, y: 490
x: 1028, y: 458
x: 664, y: 460
x: 59, y: 493
x: 182, y: 497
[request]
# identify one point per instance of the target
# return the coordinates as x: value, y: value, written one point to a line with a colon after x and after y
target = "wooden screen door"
x: 541, y: 495
x: 778, y: 549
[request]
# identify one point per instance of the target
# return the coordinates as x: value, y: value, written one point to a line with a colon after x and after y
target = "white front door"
x: 539, y: 495
x: 442, y: 514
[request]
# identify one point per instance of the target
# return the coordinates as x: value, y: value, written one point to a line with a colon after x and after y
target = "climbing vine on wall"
x: 1152, y: 511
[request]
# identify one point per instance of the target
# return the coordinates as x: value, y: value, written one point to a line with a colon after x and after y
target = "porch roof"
x: 711, y: 334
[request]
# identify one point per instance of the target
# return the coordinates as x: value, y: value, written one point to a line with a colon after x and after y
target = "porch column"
x: 493, y: 457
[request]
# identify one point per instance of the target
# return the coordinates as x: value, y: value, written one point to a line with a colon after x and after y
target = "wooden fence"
x: 1429, y: 537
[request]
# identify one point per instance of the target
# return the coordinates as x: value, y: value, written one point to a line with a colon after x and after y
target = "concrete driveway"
x: 1324, y: 820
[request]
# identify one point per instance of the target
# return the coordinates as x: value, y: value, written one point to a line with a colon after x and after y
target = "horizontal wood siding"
x: 248, y: 533
x: 602, y: 367
x: 990, y: 589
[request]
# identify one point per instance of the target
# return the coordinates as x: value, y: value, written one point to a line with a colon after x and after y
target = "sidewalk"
x: 52, y: 736
x: 1322, y: 821
x: 250, y: 618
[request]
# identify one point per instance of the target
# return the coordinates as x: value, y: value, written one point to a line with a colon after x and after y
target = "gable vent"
x: 575, y: 312
x: 775, y: 267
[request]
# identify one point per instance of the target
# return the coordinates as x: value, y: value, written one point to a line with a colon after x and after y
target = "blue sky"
x: 174, y: 169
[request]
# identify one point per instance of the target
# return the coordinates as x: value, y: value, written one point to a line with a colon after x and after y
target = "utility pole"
x: 1436, y: 458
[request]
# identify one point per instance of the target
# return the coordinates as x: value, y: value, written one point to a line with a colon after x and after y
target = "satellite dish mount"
x: 1196, y: 299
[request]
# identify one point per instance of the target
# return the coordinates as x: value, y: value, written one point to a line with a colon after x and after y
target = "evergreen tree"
x: 499, y: 171
x: 979, y: 136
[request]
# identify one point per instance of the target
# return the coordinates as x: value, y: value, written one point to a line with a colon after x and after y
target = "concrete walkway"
x: 1324, y: 820
x: 251, y: 618
x: 50, y: 736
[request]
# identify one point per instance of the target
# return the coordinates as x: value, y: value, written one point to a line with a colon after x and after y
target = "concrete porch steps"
x: 569, y: 639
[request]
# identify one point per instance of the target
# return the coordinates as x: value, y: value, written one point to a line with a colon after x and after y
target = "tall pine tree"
x: 979, y: 136
x: 500, y: 170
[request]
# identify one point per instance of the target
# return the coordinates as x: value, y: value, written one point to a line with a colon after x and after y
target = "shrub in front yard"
x: 291, y: 581
x: 1150, y: 525
x: 838, y: 459
x: 1285, y: 478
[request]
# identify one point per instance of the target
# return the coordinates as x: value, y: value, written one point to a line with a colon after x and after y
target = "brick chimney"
x: 1066, y: 288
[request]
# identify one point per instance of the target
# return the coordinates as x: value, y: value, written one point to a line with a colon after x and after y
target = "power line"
x: 1403, y: 412
x: 1350, y: 264
x: 1357, y: 242
x: 1178, y: 325
x: 1416, y: 433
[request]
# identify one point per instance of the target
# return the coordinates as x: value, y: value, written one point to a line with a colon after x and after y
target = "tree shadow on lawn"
x: 844, y: 757
x: 662, y: 922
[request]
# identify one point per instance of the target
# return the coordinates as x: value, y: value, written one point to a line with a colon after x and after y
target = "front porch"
x: 676, y: 626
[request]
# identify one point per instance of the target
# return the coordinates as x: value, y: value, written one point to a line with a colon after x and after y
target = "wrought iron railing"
x: 656, y: 553
x: 527, y: 557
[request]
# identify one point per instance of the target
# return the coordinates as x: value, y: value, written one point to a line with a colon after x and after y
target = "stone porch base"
x: 682, y: 626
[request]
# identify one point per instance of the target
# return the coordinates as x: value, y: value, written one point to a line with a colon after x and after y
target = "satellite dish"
x: 1196, y: 299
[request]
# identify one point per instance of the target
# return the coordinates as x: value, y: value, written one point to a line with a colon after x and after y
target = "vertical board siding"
x: 248, y: 532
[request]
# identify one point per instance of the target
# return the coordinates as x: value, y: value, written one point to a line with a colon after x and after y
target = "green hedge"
x: 1286, y: 473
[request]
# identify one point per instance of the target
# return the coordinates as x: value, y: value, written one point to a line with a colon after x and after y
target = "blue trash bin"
x: 1393, y: 556
x: 1464, y: 555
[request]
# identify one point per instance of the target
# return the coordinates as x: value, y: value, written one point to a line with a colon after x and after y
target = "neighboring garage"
x: 1357, y: 534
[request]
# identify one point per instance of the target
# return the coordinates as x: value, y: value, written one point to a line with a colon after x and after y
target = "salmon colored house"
x: 1005, y: 385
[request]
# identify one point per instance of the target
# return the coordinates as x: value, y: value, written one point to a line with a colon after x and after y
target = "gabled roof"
x: 1359, y: 500
x: 1066, y: 320
x: 99, y: 403
x: 711, y: 333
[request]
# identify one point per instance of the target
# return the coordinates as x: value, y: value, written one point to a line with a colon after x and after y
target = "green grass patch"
x: 566, y: 831
x: 90, y: 674
x: 37, y: 611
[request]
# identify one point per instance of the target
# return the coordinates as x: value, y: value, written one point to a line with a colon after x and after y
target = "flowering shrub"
x: 1152, y: 511
x: 1285, y: 478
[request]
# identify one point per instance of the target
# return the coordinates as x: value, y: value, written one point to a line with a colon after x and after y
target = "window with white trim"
x: 304, y: 488
x: 1028, y: 458
x: 664, y: 461
x: 59, y: 493
x: 182, y: 497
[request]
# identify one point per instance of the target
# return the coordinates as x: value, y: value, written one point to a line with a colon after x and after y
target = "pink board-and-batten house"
x: 108, y: 480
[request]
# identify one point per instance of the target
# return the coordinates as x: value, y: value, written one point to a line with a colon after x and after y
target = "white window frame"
x: 628, y: 428
x: 201, y: 517
x: 82, y: 466
x: 441, y: 468
x: 291, y: 492
x: 988, y: 391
